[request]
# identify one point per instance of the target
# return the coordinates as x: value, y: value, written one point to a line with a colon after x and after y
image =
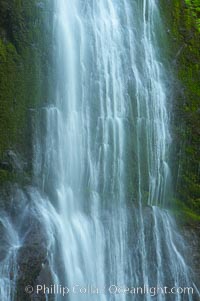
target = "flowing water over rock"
x: 8, y: 266
x: 102, y: 155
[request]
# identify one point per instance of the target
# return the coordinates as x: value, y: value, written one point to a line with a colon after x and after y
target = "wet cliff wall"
x: 182, y: 23
x: 25, y: 32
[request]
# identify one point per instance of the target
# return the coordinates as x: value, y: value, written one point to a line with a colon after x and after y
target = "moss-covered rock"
x: 24, y: 67
x: 194, y: 6
x: 182, y: 19
x: 25, y: 47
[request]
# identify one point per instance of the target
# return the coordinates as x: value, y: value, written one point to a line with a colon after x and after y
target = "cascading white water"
x: 102, y: 153
x: 109, y: 127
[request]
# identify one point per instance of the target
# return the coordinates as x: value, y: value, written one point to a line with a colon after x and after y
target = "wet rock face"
x: 32, y: 261
x: 23, y: 245
x: 12, y: 162
x: 4, y: 243
x: 191, y: 233
x: 33, y: 270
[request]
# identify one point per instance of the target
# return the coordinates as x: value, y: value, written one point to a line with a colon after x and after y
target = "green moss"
x: 181, y: 18
x: 8, y: 113
x: 194, y: 8
x: 24, y: 61
x: 14, y: 177
x: 184, y: 213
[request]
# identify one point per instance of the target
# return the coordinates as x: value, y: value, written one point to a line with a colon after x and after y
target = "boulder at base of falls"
x: 191, y: 233
x: 33, y: 264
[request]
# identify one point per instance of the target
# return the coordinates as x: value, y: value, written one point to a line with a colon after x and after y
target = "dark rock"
x: 6, y: 166
x: 191, y: 233
x: 32, y: 260
x: 15, y: 161
x: 3, y: 243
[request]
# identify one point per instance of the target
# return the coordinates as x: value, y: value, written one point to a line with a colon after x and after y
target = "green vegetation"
x: 24, y: 57
x: 182, y: 23
x: 184, y: 213
x: 194, y: 6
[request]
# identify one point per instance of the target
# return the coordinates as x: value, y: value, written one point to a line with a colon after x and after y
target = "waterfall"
x: 107, y: 149
x: 8, y: 265
x: 102, y: 155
